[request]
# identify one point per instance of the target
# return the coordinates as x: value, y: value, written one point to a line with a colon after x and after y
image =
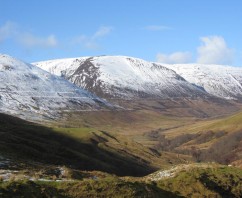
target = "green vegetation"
x: 89, y: 188
x: 83, y: 148
x: 133, y: 143
x: 218, y: 140
x: 86, y: 150
x: 211, y: 181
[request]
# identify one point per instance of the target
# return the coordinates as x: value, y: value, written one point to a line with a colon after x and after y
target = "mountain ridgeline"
x: 28, y: 91
x: 121, y: 77
x: 221, y: 81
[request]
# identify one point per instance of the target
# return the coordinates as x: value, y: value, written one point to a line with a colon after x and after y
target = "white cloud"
x: 102, y: 31
x: 174, y: 58
x: 30, y: 40
x: 91, y: 42
x: 214, y: 50
x: 86, y: 42
x: 8, y: 30
x: 157, y: 28
x: 11, y: 30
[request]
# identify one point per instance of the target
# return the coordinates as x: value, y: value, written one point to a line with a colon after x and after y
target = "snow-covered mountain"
x: 122, y: 77
x: 27, y: 90
x: 221, y: 81
x: 126, y: 77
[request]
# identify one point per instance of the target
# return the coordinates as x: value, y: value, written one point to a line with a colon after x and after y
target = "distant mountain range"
x: 79, y: 84
x: 218, y: 80
x: 27, y: 91
x: 123, y: 77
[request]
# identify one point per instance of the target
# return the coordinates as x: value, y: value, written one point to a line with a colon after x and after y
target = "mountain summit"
x: 120, y: 77
x: 127, y: 77
x: 27, y: 90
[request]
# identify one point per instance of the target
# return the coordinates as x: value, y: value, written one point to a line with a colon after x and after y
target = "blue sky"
x: 174, y: 31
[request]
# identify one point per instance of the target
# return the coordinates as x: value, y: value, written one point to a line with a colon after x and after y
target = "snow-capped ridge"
x: 219, y: 80
x: 126, y: 77
x: 26, y: 89
x: 122, y: 77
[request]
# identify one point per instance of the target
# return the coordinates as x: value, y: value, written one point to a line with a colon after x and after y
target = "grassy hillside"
x: 205, y: 182
x: 193, y: 181
x: 132, y: 143
x: 217, y: 140
x: 82, y: 148
x: 108, y: 187
x: 205, y: 139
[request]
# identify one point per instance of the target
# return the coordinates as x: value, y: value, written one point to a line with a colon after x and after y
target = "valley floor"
x: 135, y: 153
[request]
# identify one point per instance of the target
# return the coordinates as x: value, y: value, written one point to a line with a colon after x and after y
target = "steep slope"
x: 218, y: 80
x: 77, y: 148
x: 27, y: 90
x: 122, y: 77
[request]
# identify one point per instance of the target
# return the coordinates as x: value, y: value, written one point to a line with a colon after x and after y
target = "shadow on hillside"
x: 223, y: 191
x: 32, y: 142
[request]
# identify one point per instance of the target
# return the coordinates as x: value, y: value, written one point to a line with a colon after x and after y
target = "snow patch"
x: 221, y: 81
x: 122, y: 76
x: 29, y: 91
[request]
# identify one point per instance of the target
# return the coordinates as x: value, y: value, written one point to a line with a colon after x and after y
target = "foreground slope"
x: 29, y: 91
x: 121, y: 77
x: 193, y: 180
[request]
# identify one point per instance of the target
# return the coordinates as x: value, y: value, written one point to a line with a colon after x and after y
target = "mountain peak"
x: 122, y: 77
x: 26, y: 89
